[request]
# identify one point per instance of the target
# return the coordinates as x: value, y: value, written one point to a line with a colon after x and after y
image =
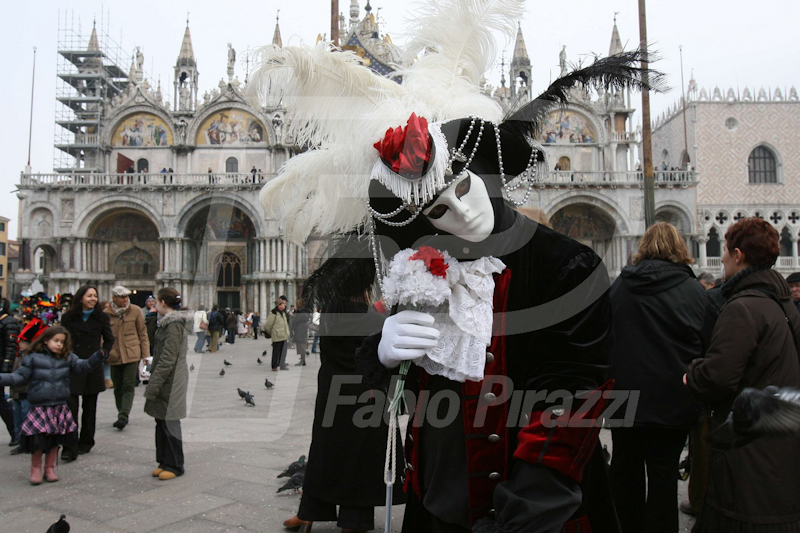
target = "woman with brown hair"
x: 753, y: 488
x: 662, y: 321
x: 165, y: 395
x: 90, y: 329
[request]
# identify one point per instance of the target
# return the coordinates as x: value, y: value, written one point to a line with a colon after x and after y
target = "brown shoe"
x: 109, y: 384
x: 166, y: 474
x: 157, y: 472
x: 295, y: 524
x: 686, y: 508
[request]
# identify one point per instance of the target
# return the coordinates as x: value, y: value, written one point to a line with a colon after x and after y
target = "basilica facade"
x: 148, y: 194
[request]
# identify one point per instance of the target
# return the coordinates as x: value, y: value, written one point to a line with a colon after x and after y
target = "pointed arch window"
x: 762, y: 166
x: 229, y: 271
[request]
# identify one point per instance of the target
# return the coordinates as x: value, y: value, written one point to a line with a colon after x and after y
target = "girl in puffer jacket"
x: 49, y: 422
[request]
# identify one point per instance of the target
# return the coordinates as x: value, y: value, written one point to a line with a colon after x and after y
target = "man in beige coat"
x: 127, y: 324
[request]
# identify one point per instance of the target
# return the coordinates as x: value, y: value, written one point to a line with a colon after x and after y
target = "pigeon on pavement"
x: 294, y: 468
x: 268, y: 384
x: 226, y: 363
x: 264, y: 353
x: 191, y: 368
x: 241, y: 393
x: 248, y: 399
x: 295, y: 482
x: 222, y: 372
x: 62, y: 526
x: 260, y: 362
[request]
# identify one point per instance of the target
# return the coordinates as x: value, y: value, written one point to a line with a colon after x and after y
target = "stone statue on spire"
x: 231, y: 61
x: 562, y: 61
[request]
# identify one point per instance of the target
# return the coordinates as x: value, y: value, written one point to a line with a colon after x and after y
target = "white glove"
x: 406, y: 335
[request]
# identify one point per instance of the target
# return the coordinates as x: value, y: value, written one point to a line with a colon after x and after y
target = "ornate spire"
x: 354, y: 12
x: 94, y: 44
x: 616, y: 42
x: 520, y: 57
x: 276, y: 37
x: 186, y: 57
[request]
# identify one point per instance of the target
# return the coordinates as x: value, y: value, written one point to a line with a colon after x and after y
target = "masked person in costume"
x: 528, y: 310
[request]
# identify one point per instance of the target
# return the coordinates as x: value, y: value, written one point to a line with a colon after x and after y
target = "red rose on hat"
x: 407, y: 150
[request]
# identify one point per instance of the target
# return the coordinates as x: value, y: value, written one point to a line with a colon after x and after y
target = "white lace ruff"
x: 466, y: 328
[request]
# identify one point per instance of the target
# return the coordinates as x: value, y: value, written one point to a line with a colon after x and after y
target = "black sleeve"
x: 376, y: 376
x: 10, y: 332
x: 108, y: 336
x: 536, y: 498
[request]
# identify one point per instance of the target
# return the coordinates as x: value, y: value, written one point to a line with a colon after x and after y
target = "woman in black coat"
x: 662, y: 321
x: 90, y: 330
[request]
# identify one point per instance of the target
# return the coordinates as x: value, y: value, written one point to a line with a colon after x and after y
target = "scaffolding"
x: 89, y: 78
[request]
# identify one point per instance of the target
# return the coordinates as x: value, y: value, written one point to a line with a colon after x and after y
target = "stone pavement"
x: 233, y: 455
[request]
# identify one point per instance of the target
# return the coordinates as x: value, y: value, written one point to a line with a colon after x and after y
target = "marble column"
x: 702, y: 260
x: 794, y: 239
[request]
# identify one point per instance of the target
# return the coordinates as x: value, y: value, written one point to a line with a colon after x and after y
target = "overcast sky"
x: 727, y: 44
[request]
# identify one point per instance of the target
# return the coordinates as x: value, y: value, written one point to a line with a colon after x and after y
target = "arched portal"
x: 587, y: 224
x: 125, y: 243
x: 220, y: 249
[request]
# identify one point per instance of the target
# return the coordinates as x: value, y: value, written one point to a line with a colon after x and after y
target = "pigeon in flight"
x: 260, y: 362
x: 191, y: 368
x: 755, y: 413
x: 62, y: 526
x: 268, y: 384
x: 222, y: 372
x: 294, y: 468
x: 226, y: 363
x: 248, y: 399
x: 295, y: 482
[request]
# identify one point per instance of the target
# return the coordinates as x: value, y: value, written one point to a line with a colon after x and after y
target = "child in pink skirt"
x: 49, y: 422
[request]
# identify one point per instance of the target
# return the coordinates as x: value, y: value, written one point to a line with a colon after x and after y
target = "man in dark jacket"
x: 9, y: 330
x: 230, y: 325
x: 216, y: 324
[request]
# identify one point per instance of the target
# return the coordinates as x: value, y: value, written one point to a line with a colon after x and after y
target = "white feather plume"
x: 328, y: 95
x: 462, y: 31
x: 320, y: 190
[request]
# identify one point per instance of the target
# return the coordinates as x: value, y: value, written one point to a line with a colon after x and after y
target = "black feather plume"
x: 620, y: 71
x: 349, y: 273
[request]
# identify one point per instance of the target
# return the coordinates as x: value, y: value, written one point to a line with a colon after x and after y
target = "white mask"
x: 464, y: 209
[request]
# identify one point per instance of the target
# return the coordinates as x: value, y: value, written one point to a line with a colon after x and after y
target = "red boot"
x: 50, y: 465
x: 36, y: 467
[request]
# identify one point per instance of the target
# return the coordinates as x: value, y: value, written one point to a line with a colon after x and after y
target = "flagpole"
x: 30, y: 128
